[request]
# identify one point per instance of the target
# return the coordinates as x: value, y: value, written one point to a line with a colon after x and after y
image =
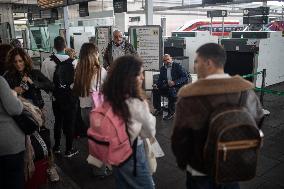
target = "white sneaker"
x: 52, y: 174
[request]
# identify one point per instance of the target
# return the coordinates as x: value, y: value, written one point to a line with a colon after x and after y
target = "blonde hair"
x: 87, y: 69
x: 71, y: 53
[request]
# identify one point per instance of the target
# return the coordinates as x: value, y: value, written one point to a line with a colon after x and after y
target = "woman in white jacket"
x: 89, y: 76
x: 123, y: 90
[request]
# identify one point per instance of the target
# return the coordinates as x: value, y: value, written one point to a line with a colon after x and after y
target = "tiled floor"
x: 76, y: 173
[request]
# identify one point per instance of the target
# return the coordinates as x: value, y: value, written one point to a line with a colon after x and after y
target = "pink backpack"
x: 108, y: 139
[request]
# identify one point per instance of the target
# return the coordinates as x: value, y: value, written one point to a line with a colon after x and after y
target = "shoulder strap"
x: 243, y: 98
x: 55, y: 59
x: 69, y: 60
x: 99, y: 79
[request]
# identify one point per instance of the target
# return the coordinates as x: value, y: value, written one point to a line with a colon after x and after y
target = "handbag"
x: 30, y: 119
x: 150, y: 155
x: 97, y: 96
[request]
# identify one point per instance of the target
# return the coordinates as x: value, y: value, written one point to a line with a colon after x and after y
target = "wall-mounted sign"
x: 217, y: 13
x: 256, y: 11
x: 83, y: 9
x: 119, y: 6
x: 134, y: 19
x: 147, y: 40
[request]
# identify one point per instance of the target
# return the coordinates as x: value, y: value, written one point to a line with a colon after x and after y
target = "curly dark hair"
x: 11, y: 59
x: 121, y: 84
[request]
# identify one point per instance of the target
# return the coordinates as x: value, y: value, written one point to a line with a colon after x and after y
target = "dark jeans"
x: 65, y: 119
x: 157, y: 93
x: 205, y: 182
x: 12, y: 171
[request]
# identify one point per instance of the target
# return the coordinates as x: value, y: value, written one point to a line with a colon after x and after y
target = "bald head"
x: 117, y: 37
x: 167, y: 59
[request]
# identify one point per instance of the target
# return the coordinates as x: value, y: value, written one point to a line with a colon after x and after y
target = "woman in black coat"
x: 26, y: 81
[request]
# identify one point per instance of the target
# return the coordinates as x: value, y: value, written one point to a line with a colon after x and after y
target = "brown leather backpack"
x: 233, y: 143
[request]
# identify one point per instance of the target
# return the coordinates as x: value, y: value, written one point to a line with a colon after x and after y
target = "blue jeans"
x: 205, y: 182
x: 124, y: 173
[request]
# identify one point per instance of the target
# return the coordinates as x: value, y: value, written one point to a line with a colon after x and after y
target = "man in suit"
x: 172, y: 77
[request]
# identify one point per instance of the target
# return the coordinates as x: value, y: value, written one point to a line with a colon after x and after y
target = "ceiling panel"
x: 19, y: 1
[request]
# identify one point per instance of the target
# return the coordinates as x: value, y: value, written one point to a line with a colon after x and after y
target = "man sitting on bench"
x: 172, y: 77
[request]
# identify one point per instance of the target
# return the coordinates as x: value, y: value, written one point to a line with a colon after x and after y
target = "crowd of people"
x: 74, y: 84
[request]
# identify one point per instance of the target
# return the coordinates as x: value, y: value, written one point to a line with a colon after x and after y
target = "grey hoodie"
x: 12, y: 139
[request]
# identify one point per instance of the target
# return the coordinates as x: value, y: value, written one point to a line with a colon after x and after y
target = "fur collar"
x: 204, y: 87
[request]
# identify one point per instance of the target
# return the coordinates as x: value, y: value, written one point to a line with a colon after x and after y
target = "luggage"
x: 39, y: 177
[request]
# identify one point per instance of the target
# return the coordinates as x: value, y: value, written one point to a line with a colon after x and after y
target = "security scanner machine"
x: 182, y: 47
x: 249, y: 52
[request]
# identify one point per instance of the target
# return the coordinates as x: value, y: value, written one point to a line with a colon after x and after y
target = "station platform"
x: 75, y: 173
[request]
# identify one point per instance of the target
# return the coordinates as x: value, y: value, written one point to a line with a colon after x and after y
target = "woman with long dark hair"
x: 25, y: 80
x: 123, y: 91
x: 28, y: 82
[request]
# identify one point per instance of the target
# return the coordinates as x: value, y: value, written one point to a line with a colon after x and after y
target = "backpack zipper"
x: 236, y: 145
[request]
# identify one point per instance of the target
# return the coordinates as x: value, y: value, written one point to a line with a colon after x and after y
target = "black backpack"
x: 63, y: 75
x: 233, y: 142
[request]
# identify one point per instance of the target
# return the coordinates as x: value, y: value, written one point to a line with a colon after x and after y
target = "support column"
x: 7, y: 21
x: 66, y: 24
x: 120, y: 22
x: 149, y: 12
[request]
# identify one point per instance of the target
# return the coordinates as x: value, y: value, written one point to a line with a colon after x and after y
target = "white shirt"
x: 213, y: 76
x: 48, y: 66
x: 218, y: 76
x: 87, y: 102
x: 143, y: 123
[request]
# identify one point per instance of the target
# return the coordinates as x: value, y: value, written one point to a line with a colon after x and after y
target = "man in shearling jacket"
x: 192, y: 114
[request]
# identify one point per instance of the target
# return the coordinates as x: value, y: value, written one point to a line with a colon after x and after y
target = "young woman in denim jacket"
x: 123, y: 90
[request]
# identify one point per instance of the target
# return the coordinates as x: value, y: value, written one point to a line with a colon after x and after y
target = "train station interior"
x: 251, y: 33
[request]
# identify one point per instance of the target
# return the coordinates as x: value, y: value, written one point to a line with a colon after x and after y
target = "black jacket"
x: 33, y: 93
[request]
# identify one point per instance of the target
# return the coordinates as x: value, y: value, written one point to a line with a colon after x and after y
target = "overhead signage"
x: 217, y: 13
x: 54, y: 14
x: 216, y: 1
x: 47, y: 4
x: 256, y: 11
x: 83, y: 9
x: 119, y: 6
x: 72, y: 2
x: 255, y: 20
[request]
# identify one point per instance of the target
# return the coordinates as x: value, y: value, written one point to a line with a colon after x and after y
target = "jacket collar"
x: 204, y: 87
